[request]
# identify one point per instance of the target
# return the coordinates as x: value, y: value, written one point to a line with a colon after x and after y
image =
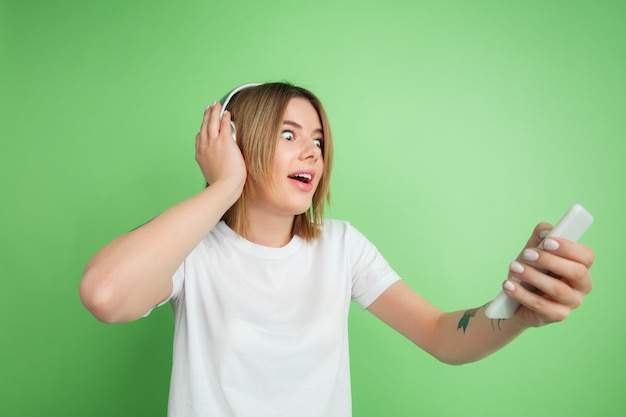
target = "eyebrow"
x: 298, y: 126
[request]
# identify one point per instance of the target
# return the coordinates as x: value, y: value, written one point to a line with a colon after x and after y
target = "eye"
x: 287, y: 135
x: 319, y: 143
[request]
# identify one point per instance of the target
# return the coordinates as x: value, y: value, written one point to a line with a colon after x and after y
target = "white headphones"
x: 226, y: 99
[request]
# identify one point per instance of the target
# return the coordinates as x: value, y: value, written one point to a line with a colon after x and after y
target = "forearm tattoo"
x: 496, y: 323
x: 469, y: 314
x: 464, y: 322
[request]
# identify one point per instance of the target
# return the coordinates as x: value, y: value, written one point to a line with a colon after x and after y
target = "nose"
x: 311, y: 151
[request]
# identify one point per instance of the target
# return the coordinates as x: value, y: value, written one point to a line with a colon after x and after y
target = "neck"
x: 269, y: 230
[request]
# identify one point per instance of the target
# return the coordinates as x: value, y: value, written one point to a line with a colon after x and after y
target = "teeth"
x: 302, y: 177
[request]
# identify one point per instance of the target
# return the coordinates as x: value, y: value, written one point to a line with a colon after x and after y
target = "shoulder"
x: 334, y: 224
x: 333, y: 229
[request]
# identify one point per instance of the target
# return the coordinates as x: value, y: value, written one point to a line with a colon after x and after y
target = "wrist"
x: 229, y: 189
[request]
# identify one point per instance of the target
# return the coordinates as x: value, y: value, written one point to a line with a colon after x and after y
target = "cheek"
x: 320, y: 168
x: 280, y: 168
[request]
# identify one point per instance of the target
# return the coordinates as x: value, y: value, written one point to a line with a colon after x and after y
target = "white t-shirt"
x: 263, y: 331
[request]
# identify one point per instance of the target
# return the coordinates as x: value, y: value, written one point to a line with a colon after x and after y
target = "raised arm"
x: 134, y: 272
x: 469, y: 335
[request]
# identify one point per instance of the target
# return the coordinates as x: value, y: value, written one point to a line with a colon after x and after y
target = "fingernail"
x: 530, y: 255
x: 509, y: 285
x: 516, y: 267
x: 550, y: 244
x: 544, y: 234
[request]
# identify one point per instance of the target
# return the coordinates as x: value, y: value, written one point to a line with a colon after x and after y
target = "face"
x: 298, y: 163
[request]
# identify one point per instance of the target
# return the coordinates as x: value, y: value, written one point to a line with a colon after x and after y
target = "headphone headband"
x: 226, y: 99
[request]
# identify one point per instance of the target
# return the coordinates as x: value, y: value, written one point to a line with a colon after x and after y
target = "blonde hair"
x: 258, y: 114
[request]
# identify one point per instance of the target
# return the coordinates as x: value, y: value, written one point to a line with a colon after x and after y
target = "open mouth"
x: 304, y: 178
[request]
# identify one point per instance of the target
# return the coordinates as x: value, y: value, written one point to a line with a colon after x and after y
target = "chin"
x: 300, y: 209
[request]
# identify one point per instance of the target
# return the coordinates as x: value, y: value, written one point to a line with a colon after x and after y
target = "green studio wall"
x: 458, y: 126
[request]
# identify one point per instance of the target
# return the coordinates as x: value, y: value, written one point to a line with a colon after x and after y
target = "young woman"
x: 261, y: 283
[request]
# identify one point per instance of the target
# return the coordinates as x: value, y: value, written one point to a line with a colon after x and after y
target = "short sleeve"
x: 371, y: 273
x: 177, y: 286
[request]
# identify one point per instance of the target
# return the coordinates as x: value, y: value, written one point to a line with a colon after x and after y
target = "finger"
x: 538, y: 235
x: 566, y: 260
x: 569, y: 250
x: 561, y: 291
x: 202, y: 136
x: 205, y: 118
x: 213, y: 129
x: 541, y: 304
x: 225, y: 126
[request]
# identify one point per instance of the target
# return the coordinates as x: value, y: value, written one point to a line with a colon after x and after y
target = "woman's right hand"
x: 217, y: 154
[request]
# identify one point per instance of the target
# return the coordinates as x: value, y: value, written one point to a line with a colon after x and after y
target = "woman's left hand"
x: 560, y: 274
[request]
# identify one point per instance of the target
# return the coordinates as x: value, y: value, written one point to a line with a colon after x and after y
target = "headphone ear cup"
x: 233, y: 130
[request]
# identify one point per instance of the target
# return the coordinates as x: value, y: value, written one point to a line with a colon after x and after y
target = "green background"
x: 458, y: 127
